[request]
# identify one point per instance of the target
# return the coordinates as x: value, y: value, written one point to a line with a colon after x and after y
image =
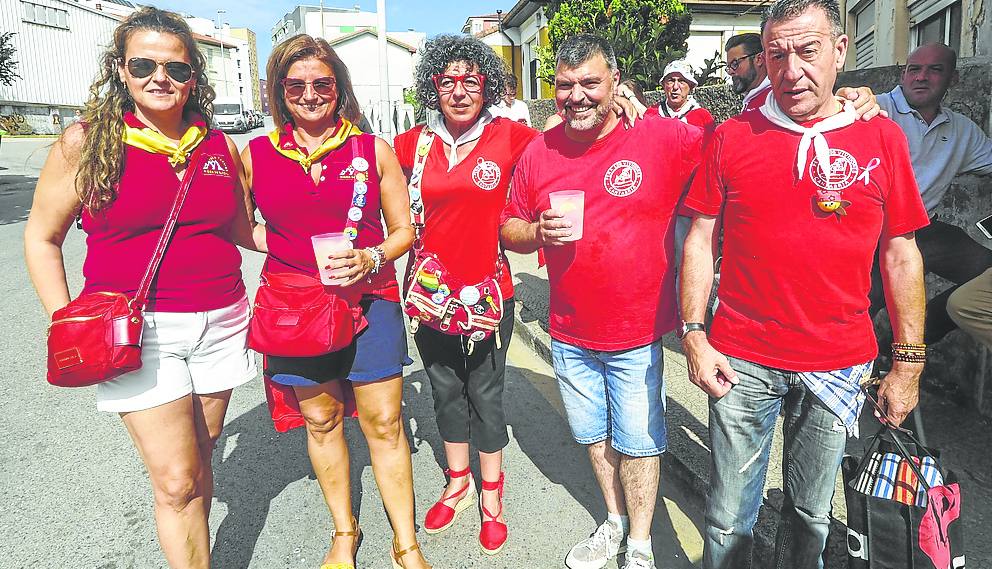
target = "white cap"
x: 683, y: 69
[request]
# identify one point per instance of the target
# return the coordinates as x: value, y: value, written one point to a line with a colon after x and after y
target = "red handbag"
x: 295, y: 315
x: 97, y: 336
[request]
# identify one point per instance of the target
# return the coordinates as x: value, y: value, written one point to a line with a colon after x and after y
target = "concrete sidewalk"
x: 962, y: 436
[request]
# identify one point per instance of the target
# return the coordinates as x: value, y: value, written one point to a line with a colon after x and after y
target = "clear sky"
x: 432, y: 17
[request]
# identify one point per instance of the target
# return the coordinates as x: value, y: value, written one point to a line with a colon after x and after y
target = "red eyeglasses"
x: 321, y: 86
x: 471, y: 82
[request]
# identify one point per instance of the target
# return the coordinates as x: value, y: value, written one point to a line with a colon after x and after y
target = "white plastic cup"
x: 325, y: 244
x: 571, y: 205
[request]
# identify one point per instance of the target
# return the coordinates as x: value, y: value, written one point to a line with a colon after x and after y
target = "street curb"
x: 531, y: 309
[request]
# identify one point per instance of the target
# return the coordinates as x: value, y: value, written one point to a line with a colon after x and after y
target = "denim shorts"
x: 380, y: 351
x: 618, y: 396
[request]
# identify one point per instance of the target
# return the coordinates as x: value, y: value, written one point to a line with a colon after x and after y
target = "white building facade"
x: 352, y: 34
x: 58, y: 45
x: 229, y: 61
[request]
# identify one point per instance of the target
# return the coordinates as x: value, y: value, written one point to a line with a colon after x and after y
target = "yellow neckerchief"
x: 285, y: 144
x: 140, y: 136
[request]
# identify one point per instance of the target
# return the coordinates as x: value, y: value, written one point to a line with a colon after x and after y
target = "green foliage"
x: 8, y: 66
x: 708, y: 75
x: 646, y: 34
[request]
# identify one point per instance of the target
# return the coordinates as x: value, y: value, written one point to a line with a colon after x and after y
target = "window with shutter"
x: 864, y: 35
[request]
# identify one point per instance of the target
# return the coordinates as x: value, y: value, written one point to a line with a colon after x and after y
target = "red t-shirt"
x: 201, y: 269
x: 759, y: 99
x: 700, y: 118
x: 794, y: 281
x: 462, y: 207
x: 613, y: 289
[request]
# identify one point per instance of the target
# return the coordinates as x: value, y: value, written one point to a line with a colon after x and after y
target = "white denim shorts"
x: 184, y: 353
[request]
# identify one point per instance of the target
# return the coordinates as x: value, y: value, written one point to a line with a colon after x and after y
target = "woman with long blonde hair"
x: 119, y: 169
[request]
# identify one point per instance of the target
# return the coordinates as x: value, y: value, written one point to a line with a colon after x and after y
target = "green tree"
x: 646, y: 34
x: 8, y: 66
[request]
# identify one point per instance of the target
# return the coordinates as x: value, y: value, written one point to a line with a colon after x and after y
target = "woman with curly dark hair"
x: 459, y: 169
x: 119, y: 169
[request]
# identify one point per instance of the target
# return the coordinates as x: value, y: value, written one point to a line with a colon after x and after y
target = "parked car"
x: 230, y: 116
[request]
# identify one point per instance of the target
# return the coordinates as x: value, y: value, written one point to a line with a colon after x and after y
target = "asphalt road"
x: 75, y: 493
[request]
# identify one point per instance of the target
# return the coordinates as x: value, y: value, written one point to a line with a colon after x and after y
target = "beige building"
x: 248, y: 37
x: 883, y: 32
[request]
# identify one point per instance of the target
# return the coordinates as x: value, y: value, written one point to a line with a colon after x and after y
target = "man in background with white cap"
x: 678, y: 84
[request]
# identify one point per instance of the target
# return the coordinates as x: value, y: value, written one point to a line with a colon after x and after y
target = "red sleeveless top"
x: 201, y: 269
x: 294, y: 207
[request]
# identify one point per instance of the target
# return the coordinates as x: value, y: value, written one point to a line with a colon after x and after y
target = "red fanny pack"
x: 295, y: 315
x: 97, y: 336
x: 435, y: 297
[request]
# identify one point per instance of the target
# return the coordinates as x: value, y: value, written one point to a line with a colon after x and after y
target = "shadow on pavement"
x: 16, y: 193
x: 263, y: 463
x: 544, y: 436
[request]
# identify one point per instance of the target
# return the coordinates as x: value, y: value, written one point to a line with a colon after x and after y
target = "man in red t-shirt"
x: 678, y: 84
x: 612, y: 289
x: 804, y: 192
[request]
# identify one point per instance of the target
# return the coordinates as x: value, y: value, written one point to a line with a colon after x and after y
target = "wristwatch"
x: 689, y: 327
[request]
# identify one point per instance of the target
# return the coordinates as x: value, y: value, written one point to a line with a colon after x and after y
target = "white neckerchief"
x: 813, y: 134
x: 765, y: 83
x: 439, y: 128
x: 689, y: 105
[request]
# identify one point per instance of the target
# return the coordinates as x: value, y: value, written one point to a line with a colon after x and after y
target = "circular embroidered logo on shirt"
x: 360, y: 164
x: 486, y: 174
x: 355, y: 213
x: 842, y: 173
x: 623, y: 178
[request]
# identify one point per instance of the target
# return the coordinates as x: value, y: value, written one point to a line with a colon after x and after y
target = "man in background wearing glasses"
x: 746, y: 68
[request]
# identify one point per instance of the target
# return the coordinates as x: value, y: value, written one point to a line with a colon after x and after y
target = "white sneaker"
x: 595, y: 551
x: 638, y: 560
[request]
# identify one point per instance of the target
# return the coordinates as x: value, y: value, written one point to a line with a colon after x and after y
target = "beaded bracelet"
x: 378, y: 258
x: 910, y: 353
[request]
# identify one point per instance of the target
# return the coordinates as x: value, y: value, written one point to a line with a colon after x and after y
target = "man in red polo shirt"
x: 606, y: 323
x: 804, y: 192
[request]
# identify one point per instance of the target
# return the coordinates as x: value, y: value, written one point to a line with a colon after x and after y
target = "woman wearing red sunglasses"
x: 460, y: 166
x: 119, y: 169
x: 317, y: 173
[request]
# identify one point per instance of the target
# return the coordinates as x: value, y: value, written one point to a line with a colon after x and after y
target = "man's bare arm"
x: 905, y: 295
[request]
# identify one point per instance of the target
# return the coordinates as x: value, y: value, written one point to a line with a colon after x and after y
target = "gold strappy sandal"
x: 357, y: 534
x: 397, y: 556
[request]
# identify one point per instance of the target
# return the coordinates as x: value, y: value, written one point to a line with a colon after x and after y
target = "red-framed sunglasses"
x: 471, y: 82
x: 321, y: 86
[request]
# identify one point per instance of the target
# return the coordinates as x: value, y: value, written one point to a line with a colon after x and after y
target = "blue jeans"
x: 741, y: 426
x: 618, y: 396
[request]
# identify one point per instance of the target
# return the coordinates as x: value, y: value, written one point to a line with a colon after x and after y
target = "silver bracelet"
x: 378, y: 258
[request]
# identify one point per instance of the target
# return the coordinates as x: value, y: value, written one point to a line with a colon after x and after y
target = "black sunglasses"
x: 141, y: 67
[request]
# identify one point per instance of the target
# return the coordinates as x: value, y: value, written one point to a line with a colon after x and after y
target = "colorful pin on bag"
x: 435, y: 297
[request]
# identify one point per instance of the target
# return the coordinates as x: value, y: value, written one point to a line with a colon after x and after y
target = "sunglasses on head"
x: 321, y: 86
x: 141, y: 67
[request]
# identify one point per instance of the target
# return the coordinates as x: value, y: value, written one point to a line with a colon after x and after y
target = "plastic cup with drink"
x: 325, y: 244
x: 571, y: 205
